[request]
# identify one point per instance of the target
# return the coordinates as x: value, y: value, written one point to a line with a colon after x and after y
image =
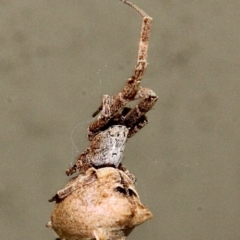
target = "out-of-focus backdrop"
x: 58, y: 57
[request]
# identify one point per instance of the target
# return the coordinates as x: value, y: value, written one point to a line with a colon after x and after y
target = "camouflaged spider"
x: 115, y: 123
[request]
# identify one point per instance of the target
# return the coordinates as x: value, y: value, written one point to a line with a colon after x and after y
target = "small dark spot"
x: 84, y: 92
x: 104, y: 195
x: 132, y: 193
x: 121, y: 190
x: 104, y: 165
x: 55, y: 198
x: 130, y: 80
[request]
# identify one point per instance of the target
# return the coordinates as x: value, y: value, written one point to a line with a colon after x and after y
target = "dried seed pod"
x: 102, y: 204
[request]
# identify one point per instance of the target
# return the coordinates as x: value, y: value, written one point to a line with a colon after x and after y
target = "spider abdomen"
x: 107, y: 147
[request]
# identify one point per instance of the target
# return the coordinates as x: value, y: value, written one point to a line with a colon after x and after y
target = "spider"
x: 115, y: 122
x: 106, y: 149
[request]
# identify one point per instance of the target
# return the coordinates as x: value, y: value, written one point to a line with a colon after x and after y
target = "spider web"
x: 79, y: 132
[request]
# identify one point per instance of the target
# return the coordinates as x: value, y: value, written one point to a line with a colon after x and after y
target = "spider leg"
x: 130, y: 175
x: 111, y: 106
x: 119, y: 119
x: 81, y: 165
x: 97, y: 111
x: 107, y: 101
x: 136, y: 116
x: 138, y: 126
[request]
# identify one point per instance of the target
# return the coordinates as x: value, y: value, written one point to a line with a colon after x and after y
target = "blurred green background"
x: 58, y: 57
